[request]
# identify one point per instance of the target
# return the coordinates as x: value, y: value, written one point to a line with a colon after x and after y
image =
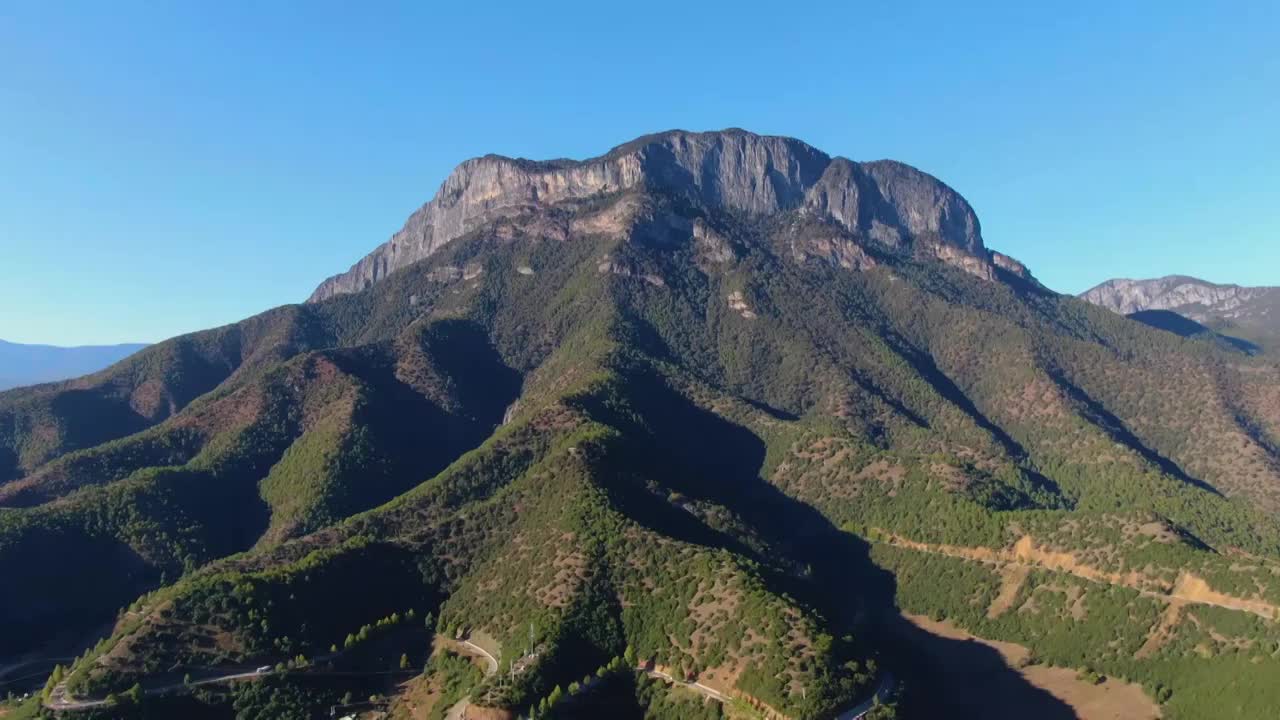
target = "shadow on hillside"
x: 1170, y: 321
x: 949, y: 677
x: 8, y: 465
x: 61, y: 589
x: 1115, y: 428
x: 439, y: 394
x: 703, y: 456
x: 941, y: 383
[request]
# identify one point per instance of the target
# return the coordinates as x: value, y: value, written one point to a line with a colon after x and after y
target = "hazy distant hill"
x: 717, y: 402
x: 1248, y: 313
x: 30, y: 364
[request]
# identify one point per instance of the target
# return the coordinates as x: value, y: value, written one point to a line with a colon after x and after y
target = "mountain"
x: 30, y: 364
x: 888, y: 202
x: 712, y: 405
x: 1251, y: 314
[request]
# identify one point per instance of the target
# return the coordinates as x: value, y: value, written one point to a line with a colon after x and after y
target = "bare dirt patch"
x: 1109, y: 700
x: 419, y: 696
x: 1162, y: 631
x: 1010, y: 583
x: 1188, y: 588
x: 1194, y: 589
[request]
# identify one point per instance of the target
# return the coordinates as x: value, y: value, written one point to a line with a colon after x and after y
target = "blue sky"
x: 165, y: 169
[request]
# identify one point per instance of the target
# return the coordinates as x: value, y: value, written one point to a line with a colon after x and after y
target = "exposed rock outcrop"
x: 1255, y: 310
x: 885, y: 201
x: 1199, y: 299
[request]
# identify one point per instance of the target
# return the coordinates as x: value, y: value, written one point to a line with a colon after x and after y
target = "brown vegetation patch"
x: 416, y: 699
x: 475, y: 712
x: 616, y: 219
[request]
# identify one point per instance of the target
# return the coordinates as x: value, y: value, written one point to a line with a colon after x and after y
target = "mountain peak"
x: 1171, y: 292
x: 885, y: 201
x: 1252, y: 312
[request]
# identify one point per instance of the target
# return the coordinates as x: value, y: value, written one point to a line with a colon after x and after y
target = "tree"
x: 135, y: 694
x: 404, y: 661
x: 186, y: 679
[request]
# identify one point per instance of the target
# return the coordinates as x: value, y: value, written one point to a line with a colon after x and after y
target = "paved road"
x: 459, y: 708
x: 879, y: 696
x: 694, y: 686
x: 58, y: 699
x: 490, y: 660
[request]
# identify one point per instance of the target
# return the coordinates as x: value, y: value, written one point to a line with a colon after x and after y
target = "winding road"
x: 883, y: 690
x: 460, y: 708
x: 58, y: 699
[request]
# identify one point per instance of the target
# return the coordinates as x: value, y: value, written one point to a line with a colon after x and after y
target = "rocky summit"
x: 888, y: 202
x: 1248, y: 313
x: 711, y: 426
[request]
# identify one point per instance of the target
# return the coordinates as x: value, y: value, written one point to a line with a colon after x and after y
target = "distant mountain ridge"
x: 22, y: 364
x: 1252, y: 313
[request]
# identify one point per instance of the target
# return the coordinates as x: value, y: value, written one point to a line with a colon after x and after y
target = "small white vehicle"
x: 263, y: 670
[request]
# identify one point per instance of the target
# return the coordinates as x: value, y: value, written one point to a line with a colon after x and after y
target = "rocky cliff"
x: 885, y: 201
x: 1255, y: 308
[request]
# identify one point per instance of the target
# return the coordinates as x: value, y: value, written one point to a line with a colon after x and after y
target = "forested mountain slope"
x: 713, y: 401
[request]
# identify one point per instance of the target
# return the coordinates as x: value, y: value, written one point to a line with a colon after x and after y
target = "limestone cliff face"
x: 1191, y: 297
x: 885, y: 201
x: 1194, y: 297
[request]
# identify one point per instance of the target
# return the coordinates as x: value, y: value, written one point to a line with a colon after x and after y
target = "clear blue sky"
x: 165, y: 169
